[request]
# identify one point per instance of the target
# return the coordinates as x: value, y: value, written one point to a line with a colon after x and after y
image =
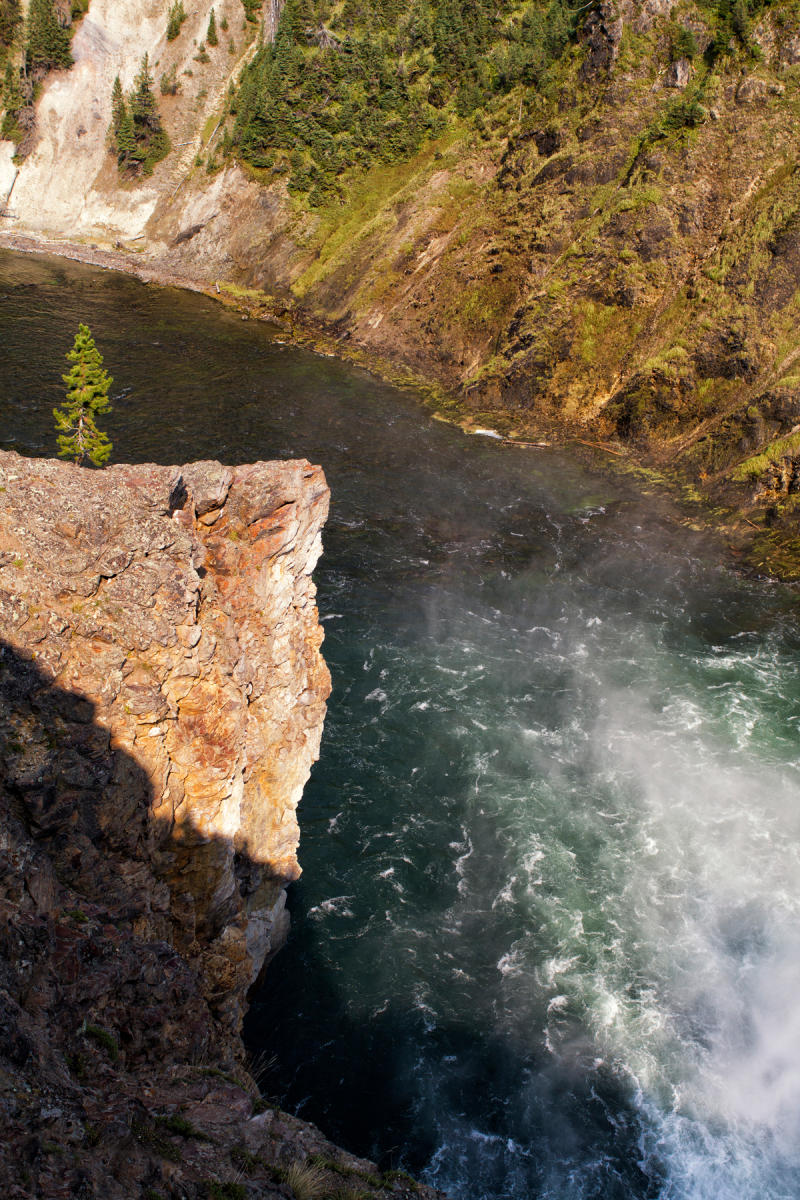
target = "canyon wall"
x: 162, y: 695
x: 176, y: 606
x: 68, y: 183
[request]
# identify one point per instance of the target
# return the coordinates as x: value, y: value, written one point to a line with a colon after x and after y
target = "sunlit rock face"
x: 168, y: 693
x: 162, y: 695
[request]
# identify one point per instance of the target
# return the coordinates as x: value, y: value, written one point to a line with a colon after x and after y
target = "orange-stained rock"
x: 177, y: 603
x: 161, y: 701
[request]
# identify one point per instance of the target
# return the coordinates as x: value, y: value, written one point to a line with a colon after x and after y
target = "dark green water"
x: 547, y: 942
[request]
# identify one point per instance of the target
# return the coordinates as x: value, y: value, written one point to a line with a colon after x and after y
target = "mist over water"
x: 547, y: 942
x: 580, y: 905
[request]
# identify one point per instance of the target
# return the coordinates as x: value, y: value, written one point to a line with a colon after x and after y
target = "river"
x: 546, y: 943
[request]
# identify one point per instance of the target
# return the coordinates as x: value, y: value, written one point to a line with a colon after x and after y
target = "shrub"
x: 242, y: 1158
x: 226, y: 1191
x: 168, y: 84
x: 103, y: 1038
x: 684, y: 45
x: 308, y: 1182
x: 683, y: 114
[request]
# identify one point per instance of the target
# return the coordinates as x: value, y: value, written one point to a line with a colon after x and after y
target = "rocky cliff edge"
x: 162, y: 695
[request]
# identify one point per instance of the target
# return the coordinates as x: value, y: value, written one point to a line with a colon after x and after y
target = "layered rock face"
x: 168, y: 692
x: 162, y: 696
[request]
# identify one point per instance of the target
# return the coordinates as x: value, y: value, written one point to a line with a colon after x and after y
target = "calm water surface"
x: 547, y: 939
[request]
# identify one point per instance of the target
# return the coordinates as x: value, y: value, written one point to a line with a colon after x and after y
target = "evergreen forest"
x: 29, y: 50
x: 351, y: 83
x: 346, y: 85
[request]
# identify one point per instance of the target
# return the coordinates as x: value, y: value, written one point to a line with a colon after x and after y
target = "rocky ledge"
x: 162, y: 695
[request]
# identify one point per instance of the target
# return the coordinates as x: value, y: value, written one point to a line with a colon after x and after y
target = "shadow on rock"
x: 119, y: 1070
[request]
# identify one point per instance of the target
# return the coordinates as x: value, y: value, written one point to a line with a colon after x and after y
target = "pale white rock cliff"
x: 68, y: 186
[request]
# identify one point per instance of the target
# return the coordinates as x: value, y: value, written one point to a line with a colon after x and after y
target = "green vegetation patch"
x: 242, y: 1158
x: 103, y: 1038
x: 755, y: 466
x: 48, y: 43
x: 150, y: 1134
x: 77, y: 914
x: 10, y: 20
x: 175, y: 18
x: 225, y: 1191
x: 349, y: 85
x: 32, y: 45
x: 136, y: 134
x: 181, y: 1127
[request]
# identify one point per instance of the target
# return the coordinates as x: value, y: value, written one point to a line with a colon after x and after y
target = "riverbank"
x: 294, y: 323
x: 754, y: 548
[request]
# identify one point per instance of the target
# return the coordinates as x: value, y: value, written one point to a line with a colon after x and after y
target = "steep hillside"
x: 572, y: 220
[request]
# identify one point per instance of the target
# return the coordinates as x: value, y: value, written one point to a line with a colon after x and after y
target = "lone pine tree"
x: 87, y: 397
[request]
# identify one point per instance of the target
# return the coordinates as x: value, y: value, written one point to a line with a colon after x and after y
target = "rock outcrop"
x: 162, y: 695
x: 175, y: 607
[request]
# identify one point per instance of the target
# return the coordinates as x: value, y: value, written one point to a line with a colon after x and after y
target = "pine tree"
x: 175, y: 18
x: 211, y: 35
x: 251, y: 10
x: 125, y: 137
x: 87, y: 397
x: 48, y: 44
x: 117, y: 105
x: 136, y: 132
x: 740, y: 19
x: 151, y: 141
x: 13, y: 100
x: 143, y: 101
x: 11, y: 96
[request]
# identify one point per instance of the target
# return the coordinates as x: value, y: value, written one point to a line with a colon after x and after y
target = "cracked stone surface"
x: 173, y: 611
x: 162, y: 695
